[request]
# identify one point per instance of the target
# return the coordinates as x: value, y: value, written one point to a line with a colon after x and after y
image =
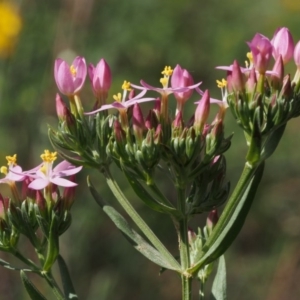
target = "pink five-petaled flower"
x: 121, y: 102
x: 43, y: 175
x: 165, y: 90
x: 101, y: 79
x: 13, y: 173
x: 261, y: 49
x: 283, y: 44
x: 70, y: 79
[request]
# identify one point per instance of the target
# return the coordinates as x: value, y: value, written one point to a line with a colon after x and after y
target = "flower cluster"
x: 39, y: 203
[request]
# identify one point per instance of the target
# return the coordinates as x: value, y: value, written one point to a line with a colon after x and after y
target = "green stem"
x: 114, y: 187
x: 186, y: 279
x: 246, y: 175
x: 26, y: 261
x: 227, y: 213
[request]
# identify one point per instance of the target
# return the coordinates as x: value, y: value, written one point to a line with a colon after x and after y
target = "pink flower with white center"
x: 283, y: 44
x: 70, y: 79
x: 13, y: 173
x: 101, y: 79
x: 181, y: 78
x: 261, y: 49
x: 45, y: 174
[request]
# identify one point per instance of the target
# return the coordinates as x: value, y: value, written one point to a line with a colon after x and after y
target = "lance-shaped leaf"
x: 219, y: 291
x: 272, y: 142
x: 68, y: 287
x: 32, y: 291
x: 253, y: 155
x: 132, y: 236
x: 53, y: 244
x: 143, y: 194
x: 230, y: 222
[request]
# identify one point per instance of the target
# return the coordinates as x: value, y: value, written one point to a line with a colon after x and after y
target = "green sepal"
x: 230, y: 225
x: 219, y: 290
x: 68, y: 287
x: 253, y: 155
x: 133, y: 237
x: 32, y: 291
x: 53, y: 244
x: 272, y: 142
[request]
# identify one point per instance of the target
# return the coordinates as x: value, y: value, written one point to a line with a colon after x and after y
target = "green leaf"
x: 132, y: 236
x: 32, y: 291
x: 53, y: 244
x: 272, y: 142
x: 68, y: 287
x: 219, y: 291
x: 253, y: 155
x: 217, y: 244
x: 143, y: 194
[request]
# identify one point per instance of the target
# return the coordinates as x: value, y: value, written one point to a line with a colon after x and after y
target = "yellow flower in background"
x: 10, y: 27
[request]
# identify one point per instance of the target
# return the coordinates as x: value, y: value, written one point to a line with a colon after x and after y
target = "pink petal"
x: 38, y: 184
x: 62, y: 182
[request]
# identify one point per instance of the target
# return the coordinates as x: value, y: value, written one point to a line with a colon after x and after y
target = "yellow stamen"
x: 3, y: 170
x: 168, y: 71
x: 221, y: 84
x: 48, y: 156
x: 11, y: 160
x: 126, y: 85
x: 164, y: 81
x: 73, y: 71
x: 118, y: 97
x: 250, y: 58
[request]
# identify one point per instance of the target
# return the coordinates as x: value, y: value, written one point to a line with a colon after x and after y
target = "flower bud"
x: 69, y: 195
x: 202, y: 111
x: 60, y: 108
x: 151, y: 120
x: 212, y: 220
x: 251, y: 82
x: 101, y: 79
x: 278, y: 69
x: 138, y: 122
x: 237, y: 78
x: 181, y: 78
x: 283, y: 44
x: 178, y: 121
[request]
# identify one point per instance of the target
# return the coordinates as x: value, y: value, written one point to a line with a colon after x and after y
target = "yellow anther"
x: 73, y: 70
x: 250, y: 56
x: 221, y: 83
x: 11, y: 160
x: 43, y: 169
x: 118, y: 97
x: 48, y: 156
x: 164, y: 81
x: 126, y: 85
x: 168, y: 71
x: 3, y: 170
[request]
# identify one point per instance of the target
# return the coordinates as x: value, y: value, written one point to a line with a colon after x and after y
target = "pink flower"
x: 101, y: 78
x: 13, y: 173
x: 181, y: 78
x: 44, y: 174
x: 261, y: 49
x: 121, y: 102
x: 202, y: 111
x: 165, y: 90
x: 297, y: 55
x: 283, y: 44
x: 70, y: 79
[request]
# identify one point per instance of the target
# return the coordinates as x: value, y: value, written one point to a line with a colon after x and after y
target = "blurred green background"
x: 138, y: 38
